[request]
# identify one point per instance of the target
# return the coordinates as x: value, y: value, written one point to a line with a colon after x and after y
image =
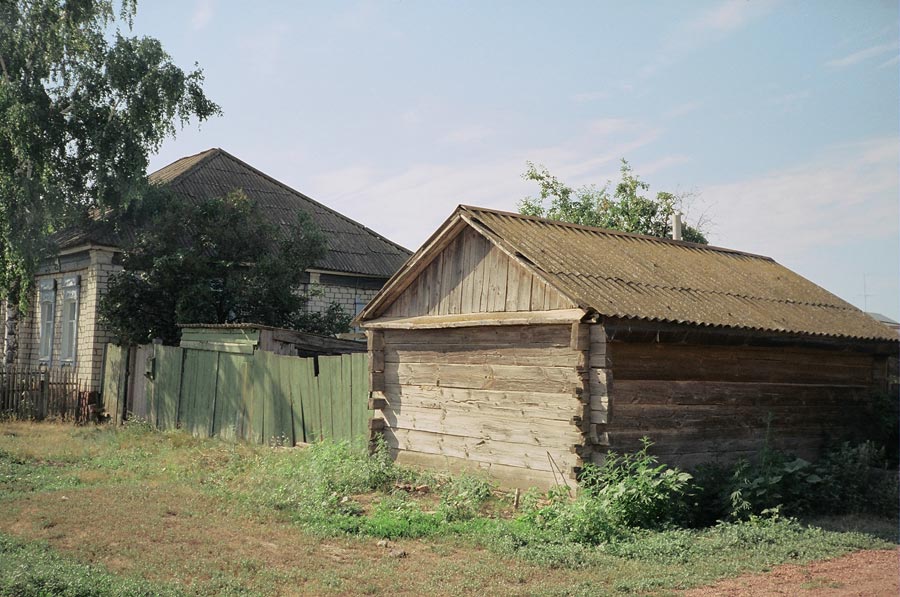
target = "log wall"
x: 501, y: 399
x: 702, y: 402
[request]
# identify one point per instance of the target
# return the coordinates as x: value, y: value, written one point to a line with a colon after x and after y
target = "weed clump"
x: 628, y: 491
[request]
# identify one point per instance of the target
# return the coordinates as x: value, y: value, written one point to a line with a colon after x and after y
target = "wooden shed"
x: 246, y: 338
x: 526, y: 347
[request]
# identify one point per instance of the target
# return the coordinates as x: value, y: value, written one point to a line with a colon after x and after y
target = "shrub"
x: 848, y: 479
x: 627, y: 491
x: 635, y: 490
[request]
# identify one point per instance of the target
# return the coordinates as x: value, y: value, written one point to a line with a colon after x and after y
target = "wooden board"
x: 279, y: 423
x: 329, y: 376
x: 167, y: 384
x: 479, y: 450
x: 360, y: 413
x: 484, y: 377
x: 471, y: 275
x: 514, y: 335
x: 228, y: 396
x: 506, y: 476
x: 113, y: 388
x: 557, y: 436
x: 198, y: 392
x: 293, y: 374
x: 312, y: 404
x: 498, y: 354
x: 684, y: 362
x: 498, y: 404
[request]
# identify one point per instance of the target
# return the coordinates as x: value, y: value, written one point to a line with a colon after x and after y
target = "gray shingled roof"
x: 353, y: 248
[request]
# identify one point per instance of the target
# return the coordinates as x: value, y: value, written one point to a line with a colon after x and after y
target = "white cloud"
x: 689, y: 36
x: 647, y: 168
x: 683, y: 109
x: 264, y: 48
x: 890, y: 62
x: 468, y: 134
x: 789, y: 101
x: 604, y: 127
x: 730, y: 15
x: 408, y: 205
x: 203, y: 14
x: 839, y: 199
x: 861, y: 55
x: 590, y: 96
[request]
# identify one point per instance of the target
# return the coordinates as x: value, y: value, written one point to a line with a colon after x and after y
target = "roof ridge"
x: 307, y: 198
x: 210, y: 153
x: 679, y: 243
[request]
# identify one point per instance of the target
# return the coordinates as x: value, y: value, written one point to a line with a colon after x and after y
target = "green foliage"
x: 81, y: 107
x: 331, y: 490
x: 31, y: 569
x: 625, y: 208
x: 211, y: 261
x: 628, y: 491
x: 848, y: 479
x: 463, y: 496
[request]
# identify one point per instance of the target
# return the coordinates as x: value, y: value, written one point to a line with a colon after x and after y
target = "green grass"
x: 135, y: 512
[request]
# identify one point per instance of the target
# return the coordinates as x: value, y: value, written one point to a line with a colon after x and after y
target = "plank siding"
x: 471, y: 275
x: 703, y: 402
x: 501, y: 399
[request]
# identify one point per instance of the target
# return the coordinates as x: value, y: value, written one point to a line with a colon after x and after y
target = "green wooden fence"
x: 260, y: 397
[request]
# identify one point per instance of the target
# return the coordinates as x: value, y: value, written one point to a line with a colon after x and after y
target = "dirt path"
x: 863, y: 574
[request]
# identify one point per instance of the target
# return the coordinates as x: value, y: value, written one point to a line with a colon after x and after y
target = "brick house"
x: 62, y: 327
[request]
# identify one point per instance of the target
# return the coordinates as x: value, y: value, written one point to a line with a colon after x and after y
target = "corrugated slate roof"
x: 352, y: 248
x: 626, y: 275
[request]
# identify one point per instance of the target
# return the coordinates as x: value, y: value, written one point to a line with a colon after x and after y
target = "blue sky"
x: 781, y: 117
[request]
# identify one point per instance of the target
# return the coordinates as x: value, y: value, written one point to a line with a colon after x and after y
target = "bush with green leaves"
x: 636, y: 489
x: 627, y: 491
x: 847, y: 479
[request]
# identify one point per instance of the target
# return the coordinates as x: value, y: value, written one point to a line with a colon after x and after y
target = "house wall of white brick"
x: 352, y: 293
x: 94, y: 266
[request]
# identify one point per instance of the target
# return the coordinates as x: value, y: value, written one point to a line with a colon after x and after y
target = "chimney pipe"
x: 676, y: 226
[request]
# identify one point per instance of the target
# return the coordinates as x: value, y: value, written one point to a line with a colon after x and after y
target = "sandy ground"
x: 863, y: 574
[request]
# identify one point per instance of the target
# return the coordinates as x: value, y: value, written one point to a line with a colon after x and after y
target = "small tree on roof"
x: 625, y: 208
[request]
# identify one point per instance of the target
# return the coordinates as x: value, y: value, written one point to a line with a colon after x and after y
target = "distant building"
x: 894, y: 325
x: 62, y: 328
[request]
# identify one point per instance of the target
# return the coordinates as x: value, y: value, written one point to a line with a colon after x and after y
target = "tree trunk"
x: 10, y: 342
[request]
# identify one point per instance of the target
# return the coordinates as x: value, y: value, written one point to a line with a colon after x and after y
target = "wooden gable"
x: 472, y: 275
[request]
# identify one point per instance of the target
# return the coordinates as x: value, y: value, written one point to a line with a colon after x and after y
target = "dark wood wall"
x: 715, y: 401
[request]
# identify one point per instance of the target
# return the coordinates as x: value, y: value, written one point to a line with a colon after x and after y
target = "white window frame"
x: 47, y: 318
x: 68, y: 346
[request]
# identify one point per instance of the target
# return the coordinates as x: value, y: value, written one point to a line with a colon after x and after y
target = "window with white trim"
x: 68, y: 344
x: 47, y: 299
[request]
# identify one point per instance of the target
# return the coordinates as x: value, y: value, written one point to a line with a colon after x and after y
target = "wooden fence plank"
x: 359, y: 400
x: 282, y: 424
x: 312, y: 405
x: 293, y: 376
x: 167, y: 384
x: 228, y: 395
x: 343, y: 401
x: 257, y: 406
x: 329, y: 373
